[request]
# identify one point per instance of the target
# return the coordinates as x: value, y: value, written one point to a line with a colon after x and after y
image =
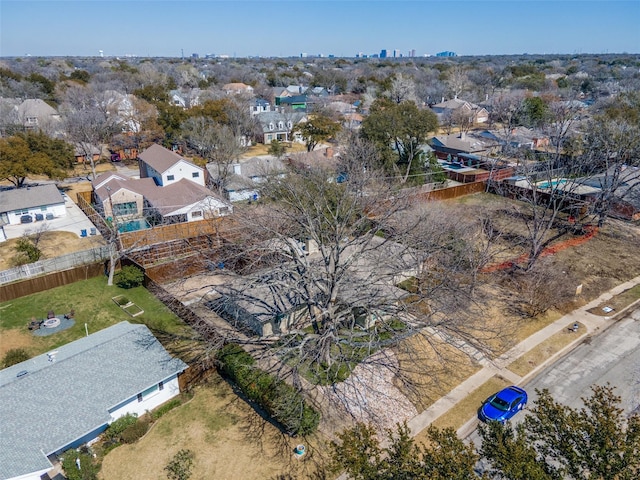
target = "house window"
x: 170, y: 177
x: 148, y: 392
x: 195, y: 174
x: 32, y: 120
x: 289, y: 124
x: 161, y: 386
x: 271, y: 126
x: 196, y: 214
x: 280, y: 125
x: 128, y: 208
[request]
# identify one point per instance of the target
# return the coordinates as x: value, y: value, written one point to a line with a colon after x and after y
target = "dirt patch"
x: 15, y: 338
x: 52, y: 244
x: 229, y: 439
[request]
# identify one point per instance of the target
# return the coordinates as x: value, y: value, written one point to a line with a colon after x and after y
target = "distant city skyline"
x: 289, y: 28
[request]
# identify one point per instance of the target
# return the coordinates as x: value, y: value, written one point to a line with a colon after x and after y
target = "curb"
x: 606, y: 322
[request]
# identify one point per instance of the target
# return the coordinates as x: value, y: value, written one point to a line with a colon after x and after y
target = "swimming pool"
x: 453, y: 166
x: 133, y: 225
x: 552, y: 183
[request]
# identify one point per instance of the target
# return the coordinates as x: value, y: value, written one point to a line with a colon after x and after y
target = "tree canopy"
x: 317, y: 129
x: 398, y: 130
x: 33, y: 153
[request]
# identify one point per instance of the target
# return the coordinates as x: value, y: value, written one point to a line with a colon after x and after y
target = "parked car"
x: 503, y: 405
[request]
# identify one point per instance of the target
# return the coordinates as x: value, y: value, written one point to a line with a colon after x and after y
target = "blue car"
x: 503, y: 405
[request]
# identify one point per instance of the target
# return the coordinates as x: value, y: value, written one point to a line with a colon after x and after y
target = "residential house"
x: 183, y: 201
x: 67, y: 397
x: 125, y: 199
x: 120, y: 197
x: 83, y: 149
x: 278, y: 125
x: 518, y: 138
x: 121, y: 107
x: 259, y: 105
x: 31, y: 204
x: 237, y: 88
x: 36, y: 114
x: 244, y: 182
x: 267, y: 304
x: 186, y: 98
x: 456, y: 108
x: 166, y: 167
x: 446, y: 146
x: 296, y: 102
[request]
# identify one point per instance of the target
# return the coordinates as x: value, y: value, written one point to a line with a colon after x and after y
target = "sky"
x: 285, y: 28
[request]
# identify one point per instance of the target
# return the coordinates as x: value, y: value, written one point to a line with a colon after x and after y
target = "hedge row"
x: 283, y: 402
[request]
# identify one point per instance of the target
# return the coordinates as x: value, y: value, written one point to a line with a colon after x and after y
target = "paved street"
x: 613, y: 356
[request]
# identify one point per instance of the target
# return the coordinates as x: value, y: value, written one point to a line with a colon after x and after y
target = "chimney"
x: 328, y: 152
x: 462, y: 136
x: 236, y: 169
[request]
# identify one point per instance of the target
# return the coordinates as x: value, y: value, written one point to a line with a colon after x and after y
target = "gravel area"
x: 369, y: 396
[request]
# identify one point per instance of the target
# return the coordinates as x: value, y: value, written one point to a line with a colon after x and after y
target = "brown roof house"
x: 462, y: 109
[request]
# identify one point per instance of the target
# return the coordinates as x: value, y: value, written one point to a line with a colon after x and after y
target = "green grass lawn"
x: 92, y: 303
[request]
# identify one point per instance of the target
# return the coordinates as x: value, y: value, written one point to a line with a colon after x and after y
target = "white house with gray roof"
x: 167, y: 167
x: 31, y: 204
x: 67, y: 397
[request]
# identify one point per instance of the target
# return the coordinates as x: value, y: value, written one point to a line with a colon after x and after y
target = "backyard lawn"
x: 92, y: 303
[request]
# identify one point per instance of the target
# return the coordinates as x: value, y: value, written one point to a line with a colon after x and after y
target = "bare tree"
x: 329, y: 274
x: 87, y: 121
x: 216, y: 143
x: 612, y: 154
x: 402, y: 89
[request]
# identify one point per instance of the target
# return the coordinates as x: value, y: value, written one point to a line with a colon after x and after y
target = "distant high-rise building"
x: 396, y: 53
x: 195, y: 55
x: 412, y: 52
x: 383, y: 53
x: 446, y: 54
x: 303, y: 55
x: 101, y: 53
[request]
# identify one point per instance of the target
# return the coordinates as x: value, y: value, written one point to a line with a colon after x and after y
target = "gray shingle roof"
x: 58, y: 402
x: 160, y: 158
x: 29, y: 197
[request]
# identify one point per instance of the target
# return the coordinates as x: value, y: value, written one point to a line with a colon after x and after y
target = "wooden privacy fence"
x: 450, y: 192
x: 219, y: 227
x: 52, y: 280
x: 57, y: 264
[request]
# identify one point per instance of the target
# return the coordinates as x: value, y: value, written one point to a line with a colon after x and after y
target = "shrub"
x: 134, y: 432
x: 113, y: 431
x: 166, y: 407
x: 179, y: 468
x: 283, y: 402
x: 15, y: 356
x: 88, y: 470
x: 26, y: 252
x: 129, y: 277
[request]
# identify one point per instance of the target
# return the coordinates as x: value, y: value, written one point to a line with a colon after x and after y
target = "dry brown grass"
x: 618, y: 302
x: 430, y: 369
x: 467, y: 408
x: 536, y: 356
x: 52, y: 244
x: 229, y: 439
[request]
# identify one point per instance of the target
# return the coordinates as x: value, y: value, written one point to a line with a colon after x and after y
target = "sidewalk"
x: 594, y: 324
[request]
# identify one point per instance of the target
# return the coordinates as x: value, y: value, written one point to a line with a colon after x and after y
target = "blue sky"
x: 342, y: 28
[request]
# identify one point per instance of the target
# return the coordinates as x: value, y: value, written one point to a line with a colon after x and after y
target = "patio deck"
x: 64, y: 324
